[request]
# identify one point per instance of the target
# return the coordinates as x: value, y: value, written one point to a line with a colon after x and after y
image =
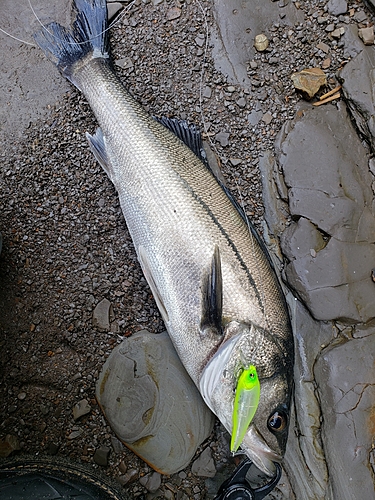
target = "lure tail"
x: 86, y: 38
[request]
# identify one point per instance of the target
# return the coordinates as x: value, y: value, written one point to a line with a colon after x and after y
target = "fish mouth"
x: 259, y: 452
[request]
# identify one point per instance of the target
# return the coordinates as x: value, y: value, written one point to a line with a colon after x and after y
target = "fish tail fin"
x: 87, y: 37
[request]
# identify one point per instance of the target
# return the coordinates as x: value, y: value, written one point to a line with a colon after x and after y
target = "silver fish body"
x: 198, y: 253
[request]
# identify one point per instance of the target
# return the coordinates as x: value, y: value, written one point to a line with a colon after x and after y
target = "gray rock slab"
x: 357, y: 79
x: 238, y: 23
x: 330, y: 247
x: 346, y: 384
x: 275, y: 196
x: 151, y: 403
x: 352, y: 43
x: 305, y: 450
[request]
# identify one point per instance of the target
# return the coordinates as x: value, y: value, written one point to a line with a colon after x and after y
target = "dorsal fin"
x: 189, y: 135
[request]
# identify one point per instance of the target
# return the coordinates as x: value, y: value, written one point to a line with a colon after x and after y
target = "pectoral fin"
x: 212, y: 303
x: 143, y: 259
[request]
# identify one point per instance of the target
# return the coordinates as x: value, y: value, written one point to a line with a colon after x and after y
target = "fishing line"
x: 18, y: 39
x: 116, y: 21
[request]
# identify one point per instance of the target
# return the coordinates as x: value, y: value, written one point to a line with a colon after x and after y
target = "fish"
x: 209, y: 271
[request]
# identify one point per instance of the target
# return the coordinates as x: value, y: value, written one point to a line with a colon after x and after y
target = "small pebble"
x: 101, y: 456
x: 222, y: 137
x: 81, y: 408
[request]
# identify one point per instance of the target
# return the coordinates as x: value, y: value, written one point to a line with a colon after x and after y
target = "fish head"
x: 265, y: 439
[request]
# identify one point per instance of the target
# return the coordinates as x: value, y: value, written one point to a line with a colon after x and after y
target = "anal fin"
x: 143, y: 259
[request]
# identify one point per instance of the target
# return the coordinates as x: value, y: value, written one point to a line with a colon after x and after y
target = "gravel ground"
x: 65, y: 242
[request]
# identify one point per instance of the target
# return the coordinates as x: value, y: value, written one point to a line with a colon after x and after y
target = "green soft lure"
x: 246, y: 402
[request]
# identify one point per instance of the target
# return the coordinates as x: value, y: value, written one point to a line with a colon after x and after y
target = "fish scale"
x: 209, y: 272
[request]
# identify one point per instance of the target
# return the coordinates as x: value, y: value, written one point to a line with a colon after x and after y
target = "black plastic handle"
x: 237, y: 488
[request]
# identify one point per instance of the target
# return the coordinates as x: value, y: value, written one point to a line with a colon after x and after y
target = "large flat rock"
x: 151, y: 403
x: 346, y: 385
x: 330, y: 242
x: 358, y: 78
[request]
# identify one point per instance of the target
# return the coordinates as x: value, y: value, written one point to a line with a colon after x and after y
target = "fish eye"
x: 277, y: 421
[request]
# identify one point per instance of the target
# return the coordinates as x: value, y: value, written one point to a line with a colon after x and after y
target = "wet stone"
x: 125, y: 63
x: 130, y: 476
x: 347, y: 404
x: 113, y: 9
x: 223, y: 138
x: 324, y: 47
x: 357, y: 84
x: 235, y: 161
x: 117, y: 446
x: 367, y: 35
x: 9, y: 444
x: 81, y: 408
x: 101, y: 456
x: 337, y: 7
x: 207, y: 92
x: 267, y: 118
x: 75, y: 434
x: 160, y: 403
x: 230, y: 56
x: 101, y: 315
x: 305, y: 451
x: 352, y: 43
x: 330, y: 28
x: 173, y: 13
x: 360, y: 16
x: 254, y: 117
x: 199, y: 40
x: 204, y: 465
x: 241, y: 102
x: 337, y: 33
x: 339, y: 226
x: 151, y: 482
